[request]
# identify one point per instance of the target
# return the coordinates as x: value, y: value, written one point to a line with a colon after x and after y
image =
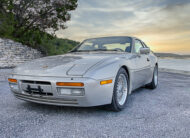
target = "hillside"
x: 13, y: 53
x: 57, y: 46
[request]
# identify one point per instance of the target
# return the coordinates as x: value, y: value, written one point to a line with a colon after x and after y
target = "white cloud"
x: 163, y: 20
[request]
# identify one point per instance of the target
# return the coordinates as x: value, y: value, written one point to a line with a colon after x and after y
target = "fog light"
x: 77, y: 92
x: 14, y: 87
x: 71, y: 91
x: 64, y: 91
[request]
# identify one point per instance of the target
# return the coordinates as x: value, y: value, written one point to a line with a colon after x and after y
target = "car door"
x: 142, y: 65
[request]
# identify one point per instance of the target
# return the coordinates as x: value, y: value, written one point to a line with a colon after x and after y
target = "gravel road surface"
x: 163, y: 112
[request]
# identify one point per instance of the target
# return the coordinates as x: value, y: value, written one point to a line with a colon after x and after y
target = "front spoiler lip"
x: 47, y: 100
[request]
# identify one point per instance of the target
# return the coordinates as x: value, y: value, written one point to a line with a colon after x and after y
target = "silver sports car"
x: 99, y: 71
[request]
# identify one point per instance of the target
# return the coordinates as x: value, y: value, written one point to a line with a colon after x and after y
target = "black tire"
x: 154, y: 84
x: 115, y: 106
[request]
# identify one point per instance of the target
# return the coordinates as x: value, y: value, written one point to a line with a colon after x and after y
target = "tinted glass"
x: 107, y: 44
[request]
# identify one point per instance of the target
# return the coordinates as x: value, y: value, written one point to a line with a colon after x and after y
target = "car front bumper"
x: 94, y: 93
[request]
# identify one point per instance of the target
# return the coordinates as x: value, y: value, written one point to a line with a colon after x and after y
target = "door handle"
x: 148, y: 59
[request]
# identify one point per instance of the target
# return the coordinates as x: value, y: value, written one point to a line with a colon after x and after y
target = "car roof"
x: 114, y: 37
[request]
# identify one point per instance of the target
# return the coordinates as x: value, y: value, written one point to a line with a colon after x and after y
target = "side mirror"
x: 144, y: 50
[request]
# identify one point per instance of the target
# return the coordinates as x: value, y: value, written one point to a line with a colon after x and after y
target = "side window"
x: 138, y: 45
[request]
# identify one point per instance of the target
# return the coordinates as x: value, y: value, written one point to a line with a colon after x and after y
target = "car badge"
x: 45, y: 67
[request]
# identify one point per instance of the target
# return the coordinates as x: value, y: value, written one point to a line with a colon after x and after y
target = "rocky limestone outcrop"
x: 14, y: 53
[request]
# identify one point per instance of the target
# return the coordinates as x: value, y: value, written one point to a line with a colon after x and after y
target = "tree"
x: 40, y: 15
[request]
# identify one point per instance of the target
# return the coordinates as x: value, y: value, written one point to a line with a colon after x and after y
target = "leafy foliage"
x: 58, y: 46
x: 38, y: 14
x: 27, y: 21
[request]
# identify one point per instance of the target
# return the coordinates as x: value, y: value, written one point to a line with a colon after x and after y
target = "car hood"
x: 72, y: 64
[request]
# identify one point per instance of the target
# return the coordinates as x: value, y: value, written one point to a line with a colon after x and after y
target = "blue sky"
x: 163, y: 24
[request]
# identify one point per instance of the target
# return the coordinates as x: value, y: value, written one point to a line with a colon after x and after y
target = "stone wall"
x: 14, y: 53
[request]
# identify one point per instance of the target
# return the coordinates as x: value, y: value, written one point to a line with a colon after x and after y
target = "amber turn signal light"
x: 12, y: 80
x: 78, y: 84
x: 105, y: 82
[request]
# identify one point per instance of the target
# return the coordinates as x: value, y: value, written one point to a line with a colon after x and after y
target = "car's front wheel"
x: 121, y: 88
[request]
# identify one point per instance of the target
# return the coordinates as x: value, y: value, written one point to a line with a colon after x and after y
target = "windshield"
x: 122, y: 44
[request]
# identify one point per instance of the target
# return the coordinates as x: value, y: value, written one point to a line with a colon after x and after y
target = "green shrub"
x: 27, y: 21
x: 57, y: 46
x: 46, y: 43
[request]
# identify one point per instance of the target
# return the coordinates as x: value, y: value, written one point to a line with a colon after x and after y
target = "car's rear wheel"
x: 120, y: 93
x: 154, y: 82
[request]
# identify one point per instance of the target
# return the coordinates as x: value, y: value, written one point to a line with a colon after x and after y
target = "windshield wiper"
x: 96, y: 50
x: 106, y: 50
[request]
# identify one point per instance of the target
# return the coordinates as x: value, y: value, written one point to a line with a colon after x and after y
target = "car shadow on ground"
x: 60, y: 109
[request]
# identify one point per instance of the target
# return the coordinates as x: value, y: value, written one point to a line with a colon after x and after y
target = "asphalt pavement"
x: 163, y: 112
